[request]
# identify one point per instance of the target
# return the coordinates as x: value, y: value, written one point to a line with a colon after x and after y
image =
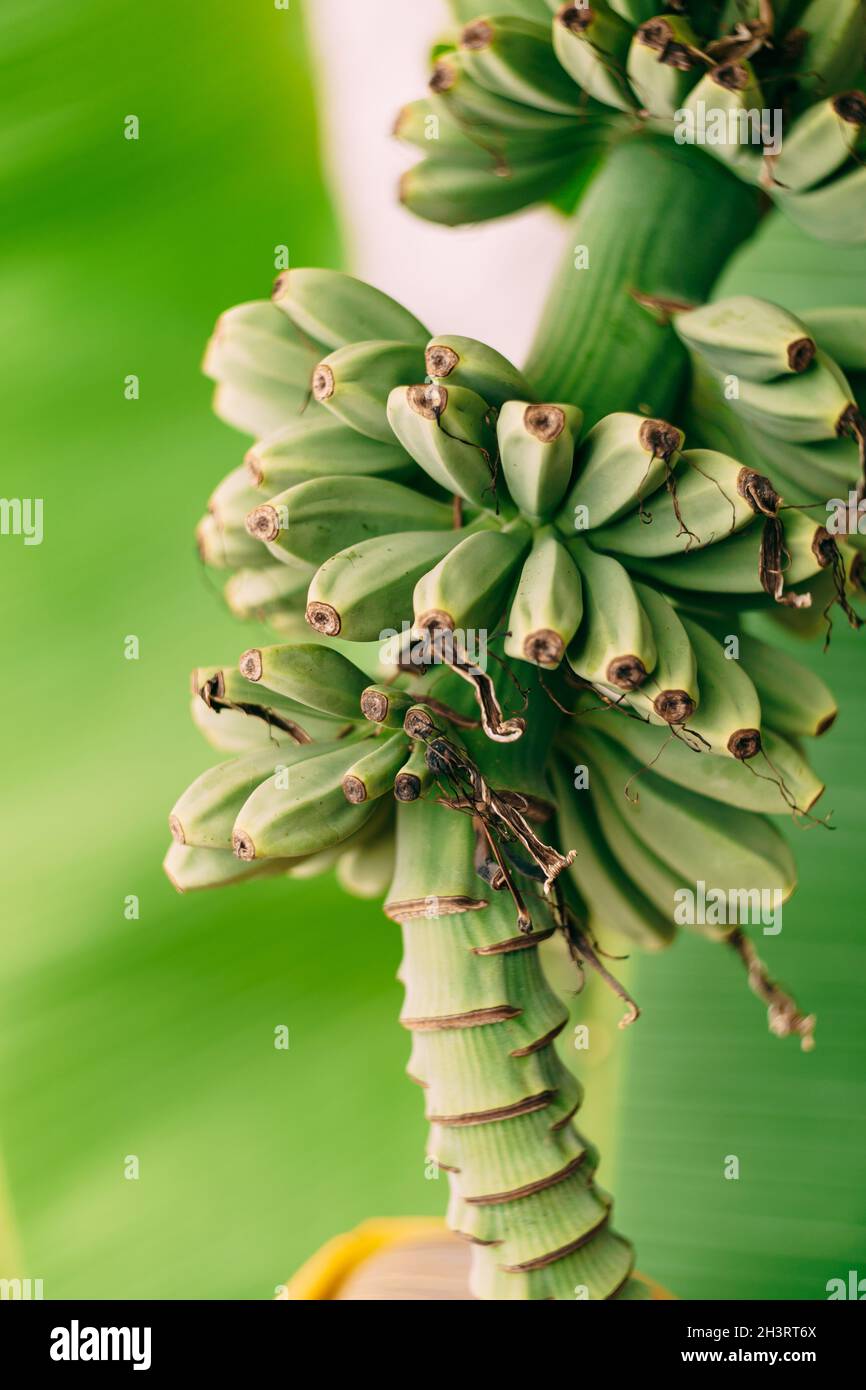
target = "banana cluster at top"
x: 523, y: 102
x: 413, y: 485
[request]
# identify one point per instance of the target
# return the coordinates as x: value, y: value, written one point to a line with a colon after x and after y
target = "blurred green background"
x: 154, y: 1037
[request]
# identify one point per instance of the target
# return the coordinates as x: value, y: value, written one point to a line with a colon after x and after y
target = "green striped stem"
x: 660, y: 219
x: 500, y: 1102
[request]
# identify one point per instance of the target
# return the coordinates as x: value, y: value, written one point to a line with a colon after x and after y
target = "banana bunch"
x: 524, y: 101
x: 420, y: 508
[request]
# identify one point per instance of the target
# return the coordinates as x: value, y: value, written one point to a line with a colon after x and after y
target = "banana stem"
x: 660, y: 220
x: 500, y: 1102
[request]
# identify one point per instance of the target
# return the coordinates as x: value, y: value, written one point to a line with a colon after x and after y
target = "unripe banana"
x: 479, y: 190
x: 622, y: 461
x: 373, y: 774
x: 833, y: 212
x: 434, y: 127
x: 253, y: 342
x: 747, y: 337
x: 536, y: 445
x: 318, y: 444
x: 713, y: 495
x: 190, y: 869
x: 663, y: 64
x: 793, y: 699
x: 591, y: 42
x: 636, y: 11
x: 355, y: 381
x: 484, y: 113
x: 514, y: 58
x: 360, y: 592
x: 336, y: 309
x: 449, y: 432
x: 468, y: 589
x: 313, y: 520
x: 366, y: 870
x: 225, y: 690
x: 382, y: 704
x: 817, y: 405
x: 728, y: 721
x: 315, y: 676
x: 301, y: 811
x: 697, y: 838
x: 671, y: 693
x: 614, y: 643
x: 548, y: 604
x: 205, y: 814
x: 821, y: 141
x: 228, y: 548
x: 615, y: 903
x: 261, y: 365
x: 733, y: 566
x: 465, y: 362
x: 842, y: 334
x: 730, y: 97
x: 414, y: 776
x: 721, y: 779
x: 258, y: 593
x: 222, y: 537
x: 832, y: 53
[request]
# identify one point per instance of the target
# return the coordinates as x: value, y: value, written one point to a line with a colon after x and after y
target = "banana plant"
x: 503, y: 701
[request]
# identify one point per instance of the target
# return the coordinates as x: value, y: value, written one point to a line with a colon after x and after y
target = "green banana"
x: 382, y: 704
x: 366, y: 870
x: 261, y: 365
x: 712, y: 502
x: 361, y: 592
x: 433, y: 126
x: 335, y: 309
x: 614, y: 643
x: 821, y: 141
x: 222, y: 537
x: 635, y: 11
x: 466, y: 362
x: 720, y: 779
x: 536, y: 446
x: 515, y: 58
x: 733, y: 566
x: 672, y: 693
x: 548, y: 604
x: 449, y: 432
x: 374, y: 772
x: 591, y: 42
x: 623, y: 459
x: 190, y: 869
x: 414, y: 777
x: 354, y: 382
x: 318, y: 444
x: 818, y: 405
x: 228, y: 548
x: 313, y: 675
x: 729, y: 95
x: 747, y: 337
x: 258, y: 593
x: 301, y: 811
x: 793, y: 699
x: 205, y: 814
x: 728, y: 721
x: 663, y: 63
x: 478, y: 110
x: 697, y: 838
x: 312, y: 521
x: 477, y: 191
x: 833, y: 212
x: 470, y: 585
x: 841, y: 333
x: 614, y: 902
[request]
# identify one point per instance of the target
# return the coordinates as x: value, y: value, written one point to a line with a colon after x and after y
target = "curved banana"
x: 536, y: 445
x: 747, y: 337
x: 449, y: 431
x: 622, y: 461
x: 470, y: 585
x: 335, y: 309
x: 548, y: 604
x: 614, y: 643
